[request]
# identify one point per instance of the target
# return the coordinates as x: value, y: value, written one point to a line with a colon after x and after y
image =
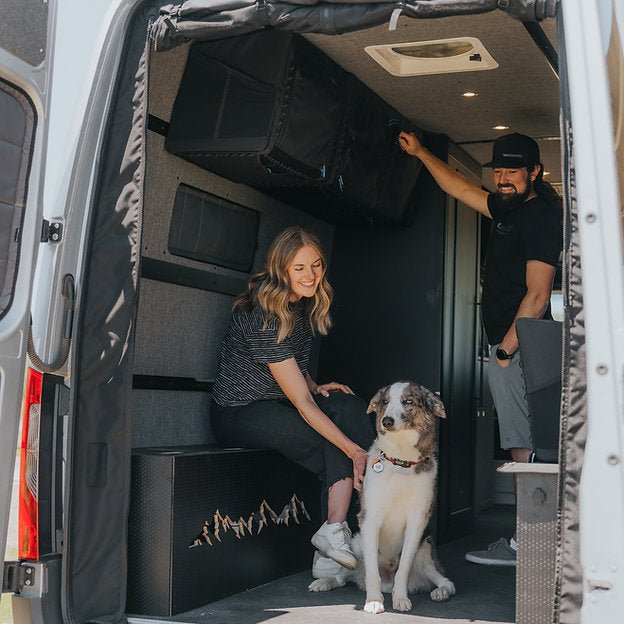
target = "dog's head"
x: 406, y: 405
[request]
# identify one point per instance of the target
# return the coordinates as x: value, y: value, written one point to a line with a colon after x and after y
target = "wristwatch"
x: 501, y: 354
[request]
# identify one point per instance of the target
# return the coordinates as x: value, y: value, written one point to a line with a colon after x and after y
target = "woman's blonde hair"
x: 271, y: 288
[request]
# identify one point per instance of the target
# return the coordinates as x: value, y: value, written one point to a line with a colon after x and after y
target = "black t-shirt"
x: 531, y: 231
x: 247, y: 348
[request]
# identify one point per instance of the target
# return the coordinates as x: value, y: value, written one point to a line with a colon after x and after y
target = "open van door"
x: 25, y: 53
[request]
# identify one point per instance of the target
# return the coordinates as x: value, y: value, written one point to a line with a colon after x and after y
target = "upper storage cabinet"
x: 270, y: 110
x: 262, y: 109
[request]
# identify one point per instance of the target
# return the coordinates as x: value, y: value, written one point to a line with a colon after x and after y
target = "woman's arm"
x: 296, y: 387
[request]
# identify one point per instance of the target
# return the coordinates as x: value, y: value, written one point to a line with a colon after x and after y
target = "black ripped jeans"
x: 277, y: 425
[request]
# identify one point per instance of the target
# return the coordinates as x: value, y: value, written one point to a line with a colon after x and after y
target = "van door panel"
x: 23, y: 93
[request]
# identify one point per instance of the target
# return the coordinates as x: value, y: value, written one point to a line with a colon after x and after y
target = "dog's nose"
x: 387, y: 422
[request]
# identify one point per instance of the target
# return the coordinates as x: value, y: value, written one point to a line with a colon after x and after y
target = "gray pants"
x: 509, y: 393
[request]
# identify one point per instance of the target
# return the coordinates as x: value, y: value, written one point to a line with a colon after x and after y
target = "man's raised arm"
x: 450, y: 181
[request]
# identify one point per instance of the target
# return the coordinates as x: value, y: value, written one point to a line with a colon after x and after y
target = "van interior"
x: 207, y: 525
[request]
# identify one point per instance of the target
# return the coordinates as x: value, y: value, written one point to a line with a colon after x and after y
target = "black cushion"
x: 541, y: 349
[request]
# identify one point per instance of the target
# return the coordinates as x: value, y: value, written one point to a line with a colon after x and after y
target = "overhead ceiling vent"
x: 442, y: 56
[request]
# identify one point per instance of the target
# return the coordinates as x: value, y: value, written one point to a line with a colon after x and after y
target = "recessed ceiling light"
x: 470, y: 94
x: 500, y: 128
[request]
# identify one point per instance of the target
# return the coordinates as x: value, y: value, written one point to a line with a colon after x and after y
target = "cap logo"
x: 514, y: 150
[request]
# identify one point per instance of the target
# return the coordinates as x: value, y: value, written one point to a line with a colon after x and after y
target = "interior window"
x: 17, y: 125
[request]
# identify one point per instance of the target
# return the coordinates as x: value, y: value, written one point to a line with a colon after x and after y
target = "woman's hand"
x: 409, y: 143
x: 360, y: 459
x: 325, y: 389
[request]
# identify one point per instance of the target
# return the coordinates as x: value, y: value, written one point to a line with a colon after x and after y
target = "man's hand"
x: 410, y: 144
x: 503, y: 363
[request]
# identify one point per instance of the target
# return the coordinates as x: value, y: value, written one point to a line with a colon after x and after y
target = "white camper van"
x: 148, y: 155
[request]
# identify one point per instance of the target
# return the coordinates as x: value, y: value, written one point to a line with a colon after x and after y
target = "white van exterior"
x: 68, y: 93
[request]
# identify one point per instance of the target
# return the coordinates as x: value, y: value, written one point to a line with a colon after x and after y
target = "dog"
x: 396, y: 503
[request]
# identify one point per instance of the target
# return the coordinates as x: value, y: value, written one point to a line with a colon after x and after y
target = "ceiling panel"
x: 522, y: 93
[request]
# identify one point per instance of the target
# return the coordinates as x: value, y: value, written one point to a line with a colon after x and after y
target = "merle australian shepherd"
x: 396, y: 503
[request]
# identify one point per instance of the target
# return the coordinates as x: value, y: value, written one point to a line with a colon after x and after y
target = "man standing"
x: 523, y: 251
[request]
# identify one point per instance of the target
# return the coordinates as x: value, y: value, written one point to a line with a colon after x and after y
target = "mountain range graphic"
x: 213, y: 529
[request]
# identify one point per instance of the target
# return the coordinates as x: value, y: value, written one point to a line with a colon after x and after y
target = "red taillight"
x: 28, y: 543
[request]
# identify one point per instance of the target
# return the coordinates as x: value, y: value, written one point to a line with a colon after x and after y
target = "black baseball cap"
x: 514, y: 150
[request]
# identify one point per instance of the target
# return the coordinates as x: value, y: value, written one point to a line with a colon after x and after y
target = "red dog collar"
x: 402, y: 463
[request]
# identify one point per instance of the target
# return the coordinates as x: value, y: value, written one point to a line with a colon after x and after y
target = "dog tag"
x: 377, y: 465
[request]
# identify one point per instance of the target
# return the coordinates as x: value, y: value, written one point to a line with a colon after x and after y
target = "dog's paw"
x: 322, y: 584
x: 401, y: 603
x: 374, y: 606
x: 444, y: 592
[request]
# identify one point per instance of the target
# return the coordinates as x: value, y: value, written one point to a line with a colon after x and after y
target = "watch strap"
x: 501, y: 354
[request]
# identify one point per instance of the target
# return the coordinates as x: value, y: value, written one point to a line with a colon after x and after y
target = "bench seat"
x: 207, y: 522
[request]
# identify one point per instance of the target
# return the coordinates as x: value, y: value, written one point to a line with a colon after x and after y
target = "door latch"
x: 16, y: 576
x: 51, y: 231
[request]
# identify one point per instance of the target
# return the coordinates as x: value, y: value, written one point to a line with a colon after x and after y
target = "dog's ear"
x: 435, y: 406
x: 373, y: 406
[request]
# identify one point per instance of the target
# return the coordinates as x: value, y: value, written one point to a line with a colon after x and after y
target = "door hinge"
x: 16, y: 576
x: 51, y: 231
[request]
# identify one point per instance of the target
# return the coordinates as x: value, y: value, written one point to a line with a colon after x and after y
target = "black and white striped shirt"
x: 247, y: 348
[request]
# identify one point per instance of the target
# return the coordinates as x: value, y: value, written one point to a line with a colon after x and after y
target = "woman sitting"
x: 264, y: 396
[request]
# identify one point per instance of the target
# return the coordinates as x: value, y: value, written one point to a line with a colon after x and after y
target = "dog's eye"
x: 384, y: 401
x: 407, y: 401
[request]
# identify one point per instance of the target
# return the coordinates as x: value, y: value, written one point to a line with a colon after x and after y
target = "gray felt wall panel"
x: 165, y: 418
x: 179, y: 328
x: 24, y: 29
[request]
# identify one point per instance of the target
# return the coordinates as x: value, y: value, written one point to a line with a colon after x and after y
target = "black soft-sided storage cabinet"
x: 262, y: 109
x: 270, y: 110
x: 373, y: 179
x: 176, y: 491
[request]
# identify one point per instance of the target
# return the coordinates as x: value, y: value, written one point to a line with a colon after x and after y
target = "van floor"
x: 484, y: 593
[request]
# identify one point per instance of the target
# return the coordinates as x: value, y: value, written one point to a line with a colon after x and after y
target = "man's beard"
x: 509, y: 201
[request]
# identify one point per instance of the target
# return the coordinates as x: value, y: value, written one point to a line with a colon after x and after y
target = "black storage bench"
x: 207, y: 522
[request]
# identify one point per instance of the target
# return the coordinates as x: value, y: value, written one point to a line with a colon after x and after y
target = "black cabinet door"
x: 459, y: 369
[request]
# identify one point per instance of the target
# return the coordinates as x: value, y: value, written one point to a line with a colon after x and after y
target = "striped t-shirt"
x: 247, y: 348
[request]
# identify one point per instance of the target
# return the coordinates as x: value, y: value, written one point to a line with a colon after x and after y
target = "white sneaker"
x: 500, y: 553
x: 322, y: 567
x: 332, y: 540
